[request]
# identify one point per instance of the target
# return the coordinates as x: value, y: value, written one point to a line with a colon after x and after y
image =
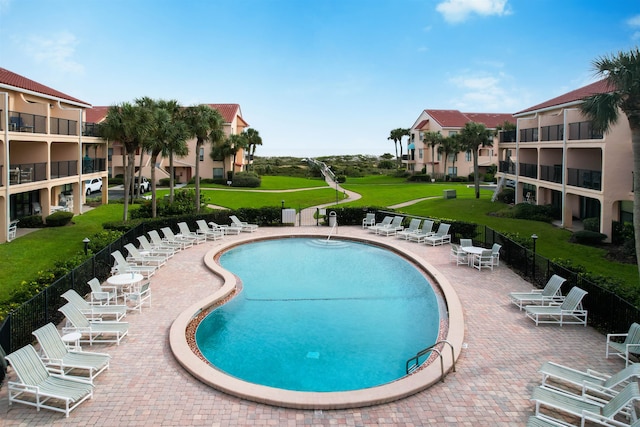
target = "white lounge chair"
x: 570, y: 312
x: 159, y: 243
x: 123, y: 266
x: 102, y: 294
x: 584, y: 379
x: 440, y: 237
x: 629, y: 347
x: 425, y: 231
x: 244, y: 226
x: 186, y: 233
x: 146, y: 246
x: 414, y: 226
x: 369, y: 220
x: 103, y: 331
x: 169, y: 237
x: 394, y: 227
x: 137, y: 257
x: 58, y: 357
x: 384, y: 223
x: 37, y: 387
x: 550, y: 293
x: 208, y: 232
x: 94, y: 311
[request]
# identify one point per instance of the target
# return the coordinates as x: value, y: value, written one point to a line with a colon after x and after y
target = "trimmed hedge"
x: 59, y: 219
x: 587, y: 237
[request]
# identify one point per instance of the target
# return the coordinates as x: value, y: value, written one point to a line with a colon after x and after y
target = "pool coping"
x: 404, y: 387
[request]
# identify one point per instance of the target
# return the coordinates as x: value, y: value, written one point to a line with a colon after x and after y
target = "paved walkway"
x: 495, y: 375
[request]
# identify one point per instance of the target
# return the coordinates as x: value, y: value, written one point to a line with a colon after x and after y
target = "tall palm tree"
x: 446, y: 148
x: 456, y: 147
x: 622, y: 73
x: 220, y: 151
x: 472, y: 137
x: 205, y: 124
x: 432, y: 139
x: 253, y: 139
x: 236, y: 142
x: 130, y: 125
x: 396, y: 136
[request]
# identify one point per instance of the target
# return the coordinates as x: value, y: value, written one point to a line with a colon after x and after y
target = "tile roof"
x: 457, y: 119
x: 422, y: 124
x: 575, y: 95
x: 228, y: 111
x: 8, y: 78
x: 96, y: 114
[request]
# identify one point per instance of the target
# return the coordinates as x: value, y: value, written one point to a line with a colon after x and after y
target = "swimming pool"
x: 318, y: 315
x: 182, y: 342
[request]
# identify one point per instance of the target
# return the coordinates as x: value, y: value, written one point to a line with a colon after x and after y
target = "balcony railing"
x: 63, y: 126
x: 551, y: 173
x: 27, y: 172
x: 508, y: 136
x: 90, y: 165
x: 530, y: 170
x: 584, y: 178
x: 91, y: 129
x: 529, y: 135
x: 33, y: 123
x: 64, y: 168
x: 552, y: 133
x: 583, y: 130
x: 507, y: 167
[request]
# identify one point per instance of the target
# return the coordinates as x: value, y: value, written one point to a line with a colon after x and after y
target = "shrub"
x: 341, y: 178
x: 182, y: 204
x: 488, y: 177
x: 544, y: 213
x: 101, y: 240
x: 591, y: 224
x: 246, y: 179
x: 33, y: 221
x: 164, y: 182
x: 507, y: 195
x: 420, y: 178
x: 386, y: 164
x: 587, y: 237
x: 116, y: 180
x: 59, y: 219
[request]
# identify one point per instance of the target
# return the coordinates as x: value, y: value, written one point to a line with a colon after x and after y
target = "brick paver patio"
x: 495, y: 375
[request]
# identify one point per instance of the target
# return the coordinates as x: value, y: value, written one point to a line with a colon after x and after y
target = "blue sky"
x: 317, y: 77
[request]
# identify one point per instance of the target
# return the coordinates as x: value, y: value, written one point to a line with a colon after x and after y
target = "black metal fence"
x: 607, y: 311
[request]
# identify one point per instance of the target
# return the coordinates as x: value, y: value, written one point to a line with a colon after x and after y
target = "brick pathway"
x: 495, y: 375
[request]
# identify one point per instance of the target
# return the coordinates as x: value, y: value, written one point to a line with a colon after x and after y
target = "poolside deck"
x: 495, y: 375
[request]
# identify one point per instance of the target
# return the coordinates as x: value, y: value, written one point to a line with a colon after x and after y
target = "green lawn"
x: 276, y: 183
x: 391, y: 193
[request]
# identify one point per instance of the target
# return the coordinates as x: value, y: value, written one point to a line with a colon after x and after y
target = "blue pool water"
x: 314, y: 316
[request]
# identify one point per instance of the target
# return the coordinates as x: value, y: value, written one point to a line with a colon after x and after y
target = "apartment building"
x: 184, y: 167
x: 555, y: 157
x: 447, y: 123
x: 48, y: 151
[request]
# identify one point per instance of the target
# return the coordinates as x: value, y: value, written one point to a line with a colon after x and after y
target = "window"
x: 218, y: 173
x: 453, y: 132
x: 420, y: 153
x: 439, y: 156
x: 201, y: 155
x: 467, y: 155
x: 452, y: 171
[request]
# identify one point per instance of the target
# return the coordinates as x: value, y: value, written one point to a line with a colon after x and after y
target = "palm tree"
x: 432, y: 139
x: 205, y: 124
x: 130, y: 125
x: 622, y: 73
x: 472, y: 137
x: 253, y: 139
x: 236, y: 142
x: 446, y: 148
x: 220, y: 151
x: 456, y: 147
x: 396, y: 136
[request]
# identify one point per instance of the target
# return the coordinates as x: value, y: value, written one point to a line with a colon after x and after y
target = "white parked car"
x: 93, y: 185
x: 145, y: 185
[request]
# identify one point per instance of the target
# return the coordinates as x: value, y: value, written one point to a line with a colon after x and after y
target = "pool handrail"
x: 414, y: 366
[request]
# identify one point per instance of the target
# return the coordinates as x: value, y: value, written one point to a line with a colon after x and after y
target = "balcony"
x: 529, y: 135
x: 584, y: 178
x: 27, y: 172
x: 507, y: 167
x: 583, y: 130
x: 32, y: 123
x: 530, y: 170
x: 91, y: 129
x: 508, y: 136
x: 551, y: 173
x: 90, y: 165
x: 64, y: 168
x: 552, y: 133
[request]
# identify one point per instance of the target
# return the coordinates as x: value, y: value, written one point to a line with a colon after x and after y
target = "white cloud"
x: 484, y: 93
x: 455, y: 11
x: 634, y: 21
x: 56, y: 51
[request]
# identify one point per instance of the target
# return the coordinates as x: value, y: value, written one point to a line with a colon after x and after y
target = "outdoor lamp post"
x: 534, y: 237
x: 282, y: 202
x: 86, y: 245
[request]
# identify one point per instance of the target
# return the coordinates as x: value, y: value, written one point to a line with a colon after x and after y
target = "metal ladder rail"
x: 498, y: 188
x: 331, y: 231
x: 411, y: 368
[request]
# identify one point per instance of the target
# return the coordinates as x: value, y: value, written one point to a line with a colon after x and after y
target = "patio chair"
x: 589, y: 378
x: 137, y: 257
x: 570, y: 312
x: 586, y: 409
x: 423, y: 232
x: 369, y: 220
x: 244, y: 226
x: 102, y: 294
x: 394, y: 227
x: 541, y: 420
x: 414, y: 226
x: 172, y: 238
x: 159, y: 243
x: 145, y: 245
x: 483, y: 260
x: 225, y: 228
x: 440, y: 237
x: 101, y: 332
x: 139, y: 296
x: 629, y: 347
x: 123, y: 266
x: 466, y: 243
x: 57, y: 356
x: 384, y: 223
x: 458, y: 255
x: 92, y: 311
x: 495, y: 254
x: 208, y: 232
x: 550, y: 293
x: 186, y: 233
x: 36, y: 386
x: 13, y: 229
